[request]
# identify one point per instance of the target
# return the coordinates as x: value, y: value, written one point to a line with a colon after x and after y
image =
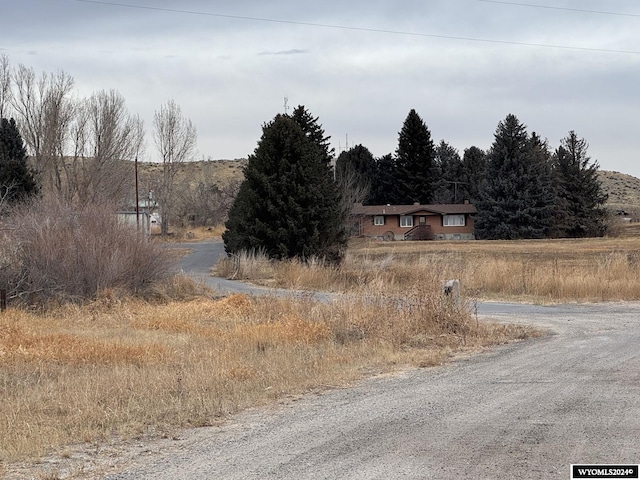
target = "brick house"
x: 413, y: 222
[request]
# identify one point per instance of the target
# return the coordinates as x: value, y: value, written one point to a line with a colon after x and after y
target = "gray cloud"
x: 294, y: 51
x: 361, y: 83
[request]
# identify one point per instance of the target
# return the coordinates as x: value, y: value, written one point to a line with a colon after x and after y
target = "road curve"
x: 523, y: 411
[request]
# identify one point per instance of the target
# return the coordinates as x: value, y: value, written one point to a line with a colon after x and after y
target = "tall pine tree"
x: 580, y: 208
x: 17, y: 182
x: 516, y: 198
x: 415, y: 157
x: 288, y: 204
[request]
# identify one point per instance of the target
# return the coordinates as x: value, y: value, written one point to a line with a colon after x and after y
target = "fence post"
x: 3, y: 300
x: 451, y: 291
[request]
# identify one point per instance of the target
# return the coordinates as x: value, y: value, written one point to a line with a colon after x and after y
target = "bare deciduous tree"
x: 105, y: 138
x: 80, y: 147
x: 205, y: 203
x: 44, y: 111
x: 175, y: 138
x: 5, y: 85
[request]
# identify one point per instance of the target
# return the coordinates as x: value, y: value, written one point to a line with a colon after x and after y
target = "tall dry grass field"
x: 544, y: 271
x: 112, y: 368
x: 601, y: 269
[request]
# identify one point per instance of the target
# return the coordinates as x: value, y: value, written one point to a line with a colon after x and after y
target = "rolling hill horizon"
x: 622, y: 189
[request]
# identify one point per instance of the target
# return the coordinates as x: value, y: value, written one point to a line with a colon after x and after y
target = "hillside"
x: 623, y: 191
x: 218, y: 172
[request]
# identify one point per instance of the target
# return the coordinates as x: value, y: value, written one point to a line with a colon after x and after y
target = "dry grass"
x: 543, y: 271
x: 184, y: 234
x: 602, y: 269
x: 128, y: 368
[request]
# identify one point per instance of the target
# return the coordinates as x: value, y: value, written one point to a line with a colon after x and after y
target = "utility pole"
x: 137, y: 199
x: 455, y: 189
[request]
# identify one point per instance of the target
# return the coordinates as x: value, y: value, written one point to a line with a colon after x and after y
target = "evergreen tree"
x: 542, y: 168
x: 17, y: 182
x: 288, y: 204
x: 580, y: 208
x: 516, y: 198
x: 313, y: 130
x: 355, y: 172
x: 383, y: 185
x: 448, y: 174
x: 415, y: 156
x: 473, y: 171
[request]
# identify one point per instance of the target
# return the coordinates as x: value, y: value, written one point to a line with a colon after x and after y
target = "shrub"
x: 56, y: 251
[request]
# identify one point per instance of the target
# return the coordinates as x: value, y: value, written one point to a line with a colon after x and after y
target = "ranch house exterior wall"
x: 414, y: 222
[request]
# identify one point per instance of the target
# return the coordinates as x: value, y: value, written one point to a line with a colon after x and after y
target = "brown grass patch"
x: 23, y: 340
x: 128, y: 368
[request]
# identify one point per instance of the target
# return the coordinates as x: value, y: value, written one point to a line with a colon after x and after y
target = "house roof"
x: 443, y: 209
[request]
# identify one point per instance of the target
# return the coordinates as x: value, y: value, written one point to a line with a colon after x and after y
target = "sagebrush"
x: 53, y: 251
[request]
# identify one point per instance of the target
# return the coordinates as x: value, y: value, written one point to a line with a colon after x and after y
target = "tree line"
x: 292, y: 203
x: 293, y: 200
x: 520, y: 187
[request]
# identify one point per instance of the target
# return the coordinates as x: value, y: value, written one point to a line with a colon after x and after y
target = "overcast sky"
x: 358, y: 65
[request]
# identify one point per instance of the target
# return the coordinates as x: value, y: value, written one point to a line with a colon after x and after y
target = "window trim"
x: 406, y: 224
x: 378, y: 220
x: 447, y: 218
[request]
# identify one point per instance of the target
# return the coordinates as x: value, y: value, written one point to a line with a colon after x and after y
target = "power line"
x: 549, y: 7
x: 364, y: 29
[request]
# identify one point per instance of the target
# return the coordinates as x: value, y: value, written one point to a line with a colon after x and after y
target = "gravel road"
x: 523, y: 411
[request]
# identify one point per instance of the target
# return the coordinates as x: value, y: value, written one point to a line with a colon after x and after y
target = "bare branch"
x: 5, y: 192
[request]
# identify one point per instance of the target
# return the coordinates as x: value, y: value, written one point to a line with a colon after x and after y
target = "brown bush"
x: 58, y: 252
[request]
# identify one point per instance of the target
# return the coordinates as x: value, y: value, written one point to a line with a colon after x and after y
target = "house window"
x: 406, y: 221
x: 453, y: 220
x: 378, y: 220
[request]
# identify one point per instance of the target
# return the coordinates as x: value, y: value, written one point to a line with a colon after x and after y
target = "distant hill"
x: 623, y: 191
x: 219, y: 172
